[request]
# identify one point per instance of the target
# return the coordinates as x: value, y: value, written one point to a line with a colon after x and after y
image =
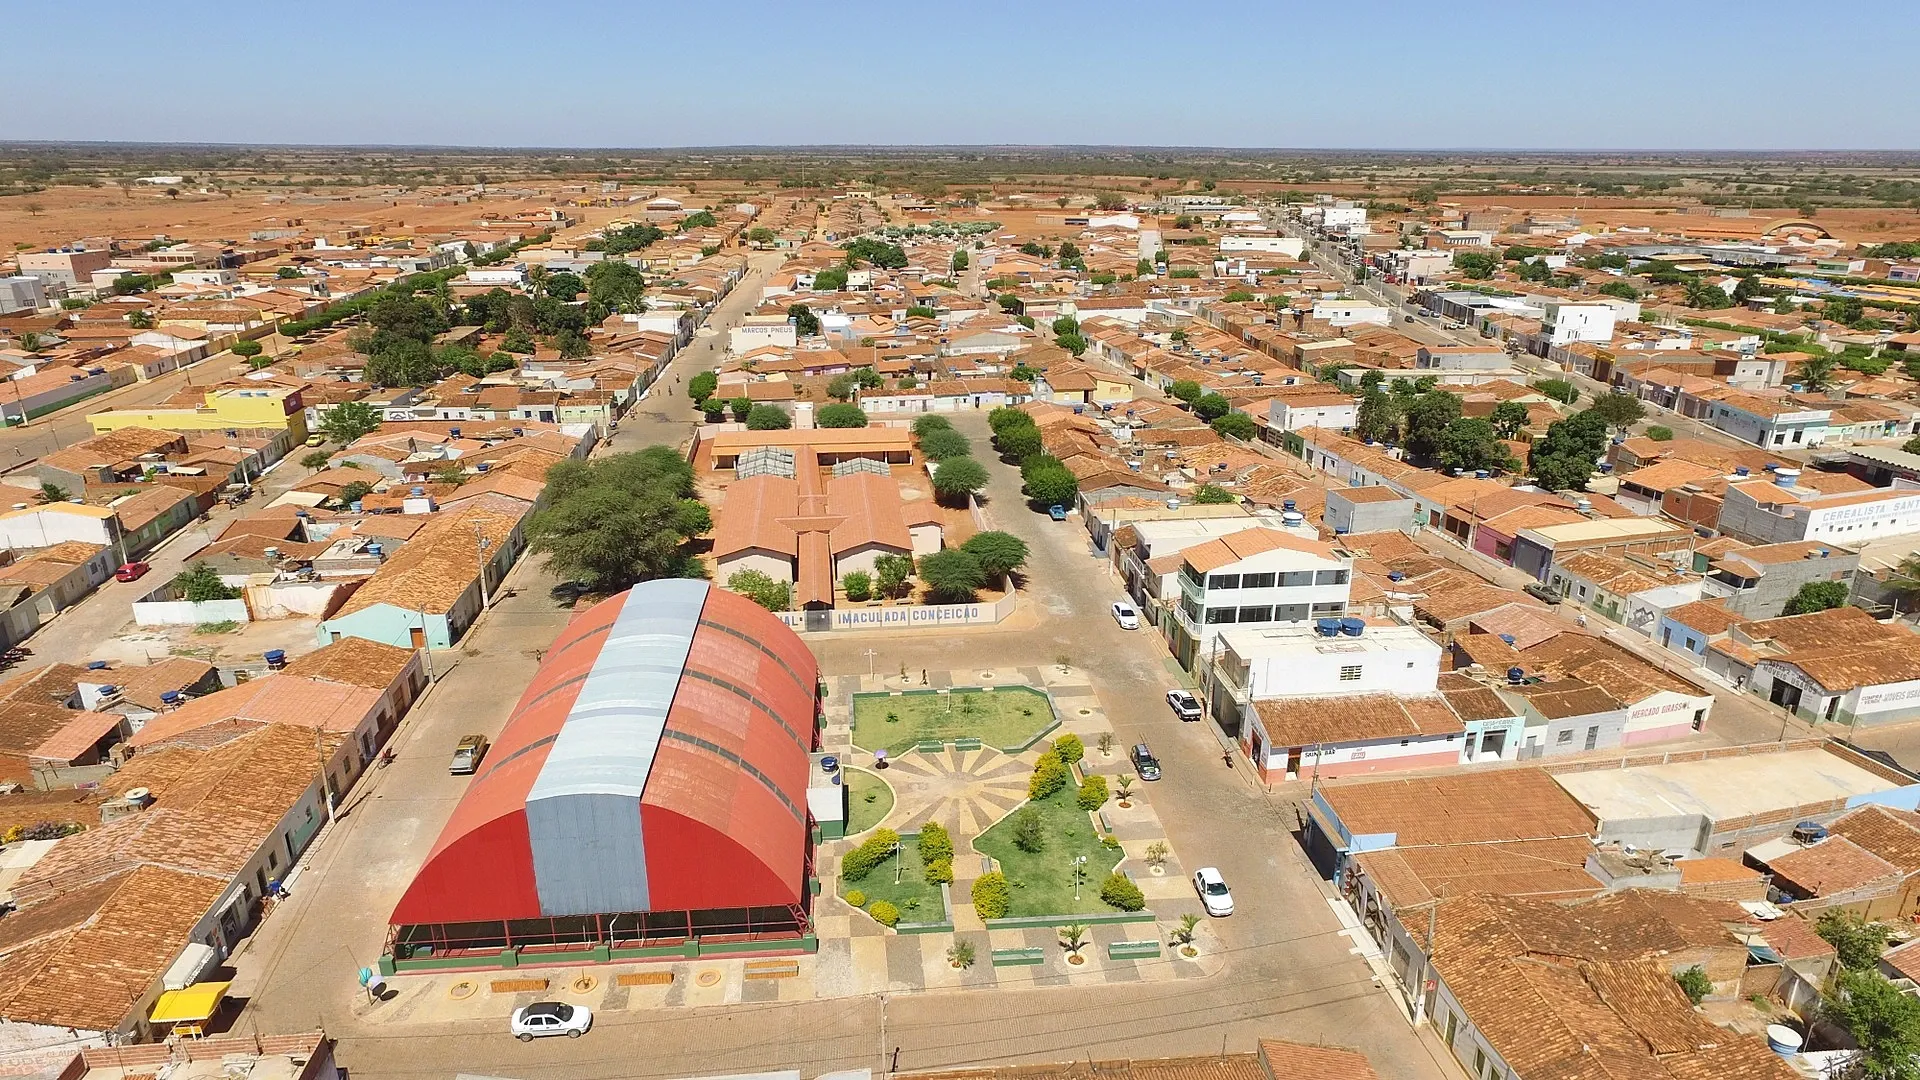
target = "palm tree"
x: 1816, y: 372
x: 1184, y: 935
x: 1073, y: 938
x: 53, y: 493
x: 1126, y: 785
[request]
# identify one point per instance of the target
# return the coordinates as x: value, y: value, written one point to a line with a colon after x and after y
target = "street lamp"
x: 1078, y: 862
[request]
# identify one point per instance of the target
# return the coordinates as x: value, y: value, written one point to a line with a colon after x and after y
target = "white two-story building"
x: 1257, y: 577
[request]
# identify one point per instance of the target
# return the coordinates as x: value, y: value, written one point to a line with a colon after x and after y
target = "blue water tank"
x: 418, y: 492
x: 169, y: 697
x: 96, y: 665
x: 1353, y: 627
x: 1327, y: 627
x: 276, y: 658
x: 1508, y: 638
x: 1516, y: 676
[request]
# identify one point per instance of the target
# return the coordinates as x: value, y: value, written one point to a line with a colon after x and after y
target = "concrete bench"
x: 1134, y: 950
x: 966, y: 744
x: 929, y: 746
x: 1019, y: 957
x: 772, y: 969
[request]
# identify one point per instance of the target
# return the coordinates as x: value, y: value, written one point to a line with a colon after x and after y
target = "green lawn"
x: 1003, y: 718
x: 1041, y: 880
x: 912, y: 888
x: 869, y: 798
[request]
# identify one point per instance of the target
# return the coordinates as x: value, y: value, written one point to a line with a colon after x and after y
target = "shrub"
x: 1069, y: 749
x: 246, y: 348
x: 1049, y: 776
x: 873, y: 851
x: 991, y: 895
x: 935, y: 842
x: 1029, y: 833
x: 856, y: 898
x: 943, y: 443
x: 1695, y: 983
x: 927, y: 425
x: 765, y: 417
x: 1660, y: 433
x: 940, y: 872
x: 859, y: 586
x: 843, y: 415
x: 1122, y: 893
x: 884, y: 913
x: 1093, y: 793
x: 315, y: 460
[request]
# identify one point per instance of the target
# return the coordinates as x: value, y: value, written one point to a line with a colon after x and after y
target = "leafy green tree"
x: 832, y: 279
x: 1660, y: 433
x: 741, y: 407
x: 760, y: 234
x: 1472, y: 443
x: 1618, y: 410
x: 316, y: 460
x: 1883, y: 1020
x: 517, y: 340
x: 1209, y: 494
x: 348, y: 421
x: 1007, y: 416
x: 868, y: 378
x: 959, y: 262
x: 954, y: 575
x: 1069, y: 748
x: 620, y: 519
x: 1426, y: 419
x: 1211, y: 407
x: 1564, y: 457
x: 842, y: 386
x: 1000, y: 553
x: 1475, y: 264
x: 762, y: 589
x: 700, y: 220
x: 626, y: 238
x: 702, y: 386
x: 353, y: 493
x: 955, y: 479
x: 571, y: 345
x: 1559, y: 390
x: 943, y: 444
x: 1817, y: 596
x: 563, y: 286
x: 1186, y: 390
x: 1052, y: 486
x: 199, y: 583
x: 858, y: 585
x: 1073, y: 343
x: 877, y: 253
x: 1020, y: 443
x: 805, y: 322
x: 841, y: 416
x: 768, y: 418
x: 890, y: 573
x: 246, y: 348
x: 1620, y: 289
x: 1236, y: 426
x: 931, y: 422
x: 1509, y: 418
x: 1376, y: 417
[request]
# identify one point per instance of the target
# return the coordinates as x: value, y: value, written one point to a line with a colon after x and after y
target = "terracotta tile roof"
x: 1794, y: 938
x: 1240, y: 546
x: 1210, y: 1067
x: 1528, y: 625
x: 278, y: 699
x: 1834, y: 865
x: 1512, y: 804
x: 1472, y: 700
x: 354, y: 662
x: 1562, y: 698
x: 142, y: 684
x: 432, y: 571
x: 1707, y: 616
x: 85, y: 976
x: 1355, y: 718
x: 1713, y: 869
x: 1893, y: 835
x: 1540, y: 869
x: 1288, y: 1059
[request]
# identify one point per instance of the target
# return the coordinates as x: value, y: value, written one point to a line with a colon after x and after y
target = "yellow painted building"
x: 275, y: 408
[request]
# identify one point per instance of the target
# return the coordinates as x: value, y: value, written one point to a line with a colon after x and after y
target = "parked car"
x: 1184, y: 705
x: 1057, y: 512
x: 316, y: 440
x: 467, y: 754
x: 132, y: 571
x: 1144, y: 763
x: 1212, y: 888
x: 1543, y: 593
x: 550, y: 1018
x: 1124, y: 614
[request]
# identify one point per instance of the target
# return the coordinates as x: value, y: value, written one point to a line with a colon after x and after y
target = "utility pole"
x: 320, y: 764
x: 481, y: 543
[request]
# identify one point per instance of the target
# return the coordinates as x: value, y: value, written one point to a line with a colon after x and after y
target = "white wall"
x: 1400, y: 663
x: 1289, y: 246
x: 188, y: 613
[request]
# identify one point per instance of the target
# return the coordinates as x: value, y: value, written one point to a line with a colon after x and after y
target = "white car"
x: 1184, y: 705
x: 1128, y: 618
x: 1213, y: 891
x: 550, y: 1018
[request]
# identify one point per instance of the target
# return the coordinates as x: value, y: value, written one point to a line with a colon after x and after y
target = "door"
x: 1593, y: 736
x: 418, y: 636
x: 1786, y: 695
x: 1293, y: 761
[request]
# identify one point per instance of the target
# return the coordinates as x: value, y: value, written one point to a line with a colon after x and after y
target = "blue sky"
x: 1546, y: 74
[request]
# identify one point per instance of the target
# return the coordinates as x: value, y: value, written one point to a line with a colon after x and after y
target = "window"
x: 1289, y: 612
x: 1263, y: 613
x: 1565, y: 738
x: 1219, y: 615
x: 1293, y: 579
x: 1350, y: 673
x: 1257, y: 581
x: 1330, y: 577
x: 1224, y: 581
x: 273, y: 860
x: 1335, y: 608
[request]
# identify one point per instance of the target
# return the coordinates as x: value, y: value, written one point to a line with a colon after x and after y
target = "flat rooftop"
x: 1721, y: 788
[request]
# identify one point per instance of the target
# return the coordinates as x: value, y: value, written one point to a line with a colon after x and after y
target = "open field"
x: 1043, y: 880
x: 1005, y: 718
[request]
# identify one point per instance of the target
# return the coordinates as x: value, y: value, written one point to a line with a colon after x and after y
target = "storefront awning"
x: 196, y: 1002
